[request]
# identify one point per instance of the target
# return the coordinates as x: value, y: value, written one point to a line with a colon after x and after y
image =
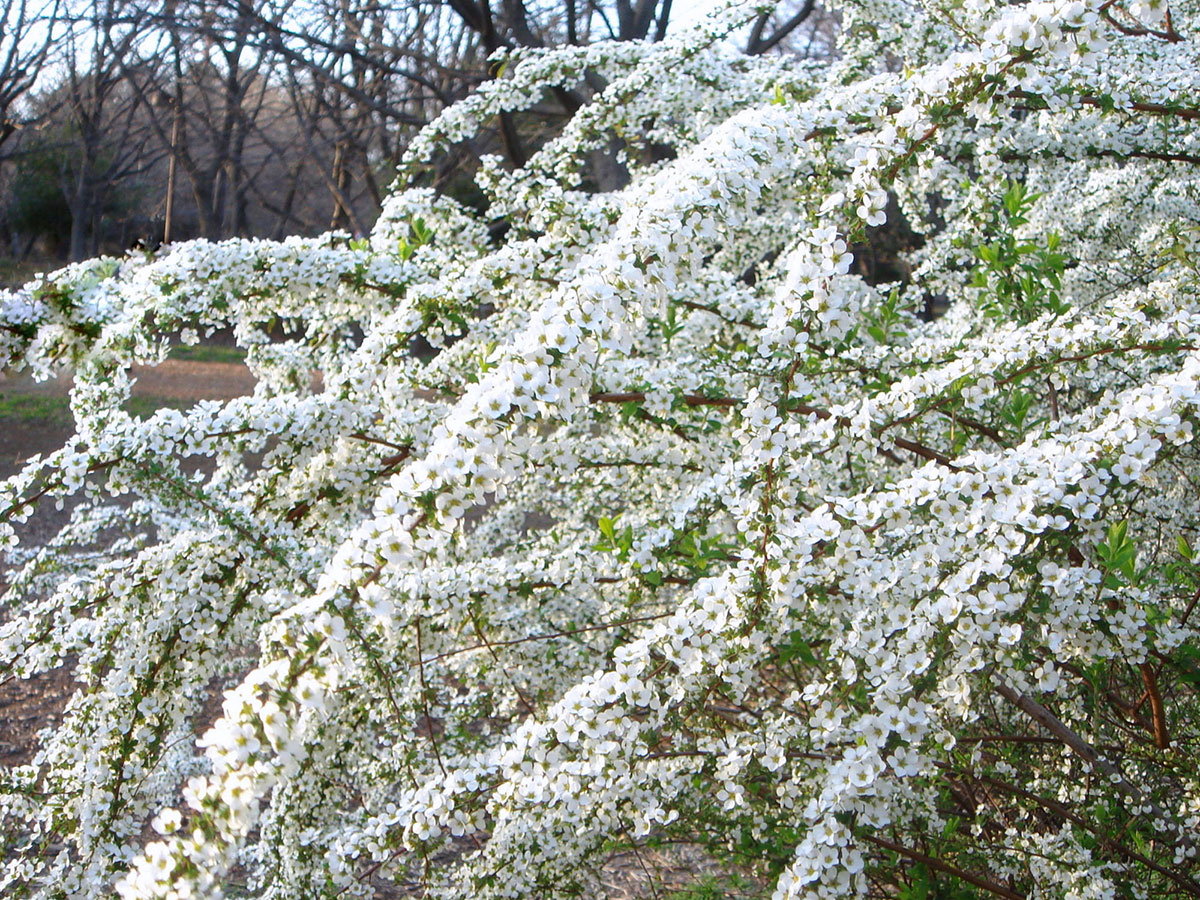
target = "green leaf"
x: 422, y: 233
x: 607, y: 528
x: 1118, y: 554
x: 919, y: 889
x: 686, y: 544
x: 1014, y: 198
x: 1117, y: 533
x: 797, y: 648
x: 625, y: 541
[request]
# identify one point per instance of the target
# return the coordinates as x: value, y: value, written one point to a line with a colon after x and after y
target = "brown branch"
x: 49, y: 487
x: 1060, y: 810
x: 756, y: 46
x: 1190, y: 607
x: 639, y: 396
x: 975, y: 425
x: 1078, y: 745
x: 359, y: 436
x: 1162, y: 157
x: 1170, y: 34
x: 1007, y: 739
x: 1088, y: 754
x: 933, y: 862
x: 1162, y: 737
x: 1151, y: 347
x: 381, y: 673
x: 691, y: 304
x: 437, y: 755
x: 1053, y: 395
x: 1160, y: 109
x: 924, y: 452
x: 529, y: 707
x: 645, y: 464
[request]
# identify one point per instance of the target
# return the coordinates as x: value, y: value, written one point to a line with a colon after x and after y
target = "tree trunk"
x: 80, y: 203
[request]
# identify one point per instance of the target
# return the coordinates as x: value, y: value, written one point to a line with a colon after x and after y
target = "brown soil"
x: 183, y: 380
x: 174, y: 379
x: 31, y: 705
x: 19, y: 443
x: 28, y: 706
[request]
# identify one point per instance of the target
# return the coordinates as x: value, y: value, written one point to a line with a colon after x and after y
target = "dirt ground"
x: 28, y: 706
x: 172, y: 381
x: 31, y: 705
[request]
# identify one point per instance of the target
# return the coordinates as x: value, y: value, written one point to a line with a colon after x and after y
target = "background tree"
x: 29, y: 31
x: 104, y: 140
x: 211, y: 83
x: 293, y: 116
x: 28, y: 34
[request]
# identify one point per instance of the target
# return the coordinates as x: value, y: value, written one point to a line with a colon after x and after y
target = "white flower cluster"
x: 692, y: 532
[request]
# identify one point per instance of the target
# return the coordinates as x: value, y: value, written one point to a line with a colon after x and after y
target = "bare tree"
x: 364, y: 77
x: 769, y: 30
x: 28, y: 33
x: 88, y: 128
x: 210, y: 79
x: 291, y: 115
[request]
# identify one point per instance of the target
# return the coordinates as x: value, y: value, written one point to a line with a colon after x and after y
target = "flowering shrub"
x: 688, y: 534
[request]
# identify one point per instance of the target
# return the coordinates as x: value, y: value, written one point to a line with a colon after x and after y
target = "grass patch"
x: 209, y: 353
x: 50, y: 410
x: 54, y: 410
